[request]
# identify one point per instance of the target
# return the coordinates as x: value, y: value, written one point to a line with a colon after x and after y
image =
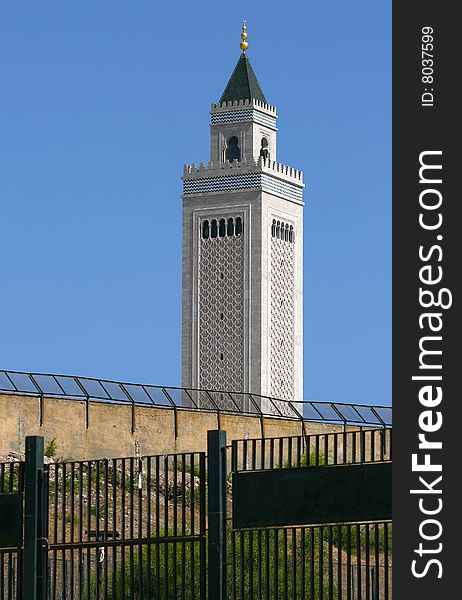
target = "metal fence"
x: 104, y: 390
x: 11, y: 480
x: 129, y: 527
x: 143, y: 527
x: 336, y: 448
x: 350, y: 561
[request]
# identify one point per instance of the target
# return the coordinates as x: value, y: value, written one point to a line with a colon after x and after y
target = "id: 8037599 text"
x: 427, y: 66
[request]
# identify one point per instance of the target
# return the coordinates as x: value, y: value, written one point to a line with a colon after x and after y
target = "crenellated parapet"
x: 191, y: 171
x: 271, y: 176
x: 238, y: 111
x: 252, y: 102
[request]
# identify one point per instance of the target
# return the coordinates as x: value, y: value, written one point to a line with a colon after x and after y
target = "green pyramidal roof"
x: 243, y: 84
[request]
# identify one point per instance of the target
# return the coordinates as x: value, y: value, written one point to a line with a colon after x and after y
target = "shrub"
x: 312, y: 461
x: 51, y: 448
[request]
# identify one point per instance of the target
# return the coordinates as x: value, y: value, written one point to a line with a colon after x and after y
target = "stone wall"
x: 109, y: 431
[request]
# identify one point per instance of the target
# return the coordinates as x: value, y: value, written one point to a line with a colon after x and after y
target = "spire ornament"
x: 244, y: 45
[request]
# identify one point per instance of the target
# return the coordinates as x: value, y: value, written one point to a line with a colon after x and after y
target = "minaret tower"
x: 242, y: 252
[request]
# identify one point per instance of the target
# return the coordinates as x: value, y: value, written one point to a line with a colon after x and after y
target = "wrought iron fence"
x: 128, y: 527
x: 350, y: 561
x: 104, y: 390
x: 139, y: 527
x: 347, y: 561
x: 336, y: 448
x: 11, y: 480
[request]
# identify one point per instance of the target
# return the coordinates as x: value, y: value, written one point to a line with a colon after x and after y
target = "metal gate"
x: 118, y: 528
x: 157, y: 527
x: 127, y: 528
x: 342, y: 559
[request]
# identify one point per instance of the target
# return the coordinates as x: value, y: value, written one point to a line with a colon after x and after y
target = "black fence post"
x: 33, y: 563
x: 217, y: 572
x: 375, y: 583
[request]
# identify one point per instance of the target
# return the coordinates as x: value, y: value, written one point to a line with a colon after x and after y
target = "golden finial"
x: 244, y: 45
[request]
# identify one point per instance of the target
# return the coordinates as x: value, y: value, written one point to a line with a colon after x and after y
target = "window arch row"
x: 282, y: 231
x: 221, y: 227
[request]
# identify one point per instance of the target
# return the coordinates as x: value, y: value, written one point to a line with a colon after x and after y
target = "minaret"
x: 242, y: 253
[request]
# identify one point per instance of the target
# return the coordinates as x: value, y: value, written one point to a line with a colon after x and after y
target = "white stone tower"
x: 242, y: 253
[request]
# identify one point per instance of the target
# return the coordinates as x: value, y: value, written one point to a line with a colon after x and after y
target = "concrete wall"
x: 109, y: 429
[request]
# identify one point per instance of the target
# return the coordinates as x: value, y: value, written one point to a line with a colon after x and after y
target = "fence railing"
x: 105, y: 390
x: 336, y: 448
x: 11, y: 481
x: 157, y: 526
x: 127, y: 526
x: 350, y: 560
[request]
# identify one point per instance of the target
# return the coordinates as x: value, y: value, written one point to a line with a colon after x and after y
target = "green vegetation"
x: 9, y: 479
x: 69, y: 519
x: 163, y: 570
x: 281, y: 556
x: 314, y: 460
x: 360, y: 533
x: 284, y: 559
x: 188, y: 469
x: 51, y: 448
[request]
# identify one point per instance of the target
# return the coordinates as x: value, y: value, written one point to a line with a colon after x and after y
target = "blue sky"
x: 102, y: 103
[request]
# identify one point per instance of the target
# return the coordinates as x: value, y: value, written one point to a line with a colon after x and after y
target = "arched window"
x: 230, y: 231
x: 222, y: 228
x: 278, y: 229
x: 205, y: 230
x: 232, y: 149
x: 286, y: 233
x: 264, y: 148
x: 281, y: 236
x: 214, y: 229
x: 273, y: 228
x: 239, y: 227
x: 291, y: 234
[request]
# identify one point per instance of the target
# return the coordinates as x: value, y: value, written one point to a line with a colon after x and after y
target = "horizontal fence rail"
x: 104, y: 390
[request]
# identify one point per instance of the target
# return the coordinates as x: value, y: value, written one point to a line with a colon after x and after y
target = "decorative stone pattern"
x: 240, y: 182
x: 248, y: 114
x: 281, y: 188
x: 221, y: 313
x: 282, y: 325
